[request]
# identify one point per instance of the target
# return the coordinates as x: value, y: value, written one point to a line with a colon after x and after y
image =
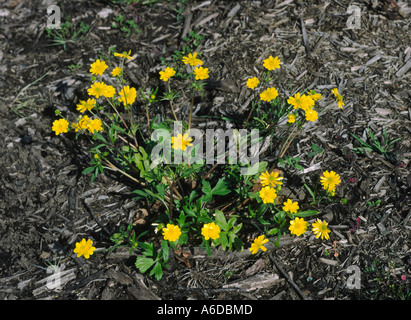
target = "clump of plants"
x: 67, y: 33
x: 199, y: 204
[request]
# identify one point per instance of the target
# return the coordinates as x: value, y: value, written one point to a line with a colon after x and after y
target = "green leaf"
x: 303, y: 214
x: 144, y: 263
x: 272, y: 232
x: 206, y: 187
x: 311, y: 192
x: 166, y: 250
x: 99, y: 137
x: 148, y: 248
x: 223, y: 239
x: 236, y: 229
x: 157, y: 271
x: 221, y: 188
x: 221, y: 221
x: 88, y: 170
x: 208, y: 249
x: 141, y: 193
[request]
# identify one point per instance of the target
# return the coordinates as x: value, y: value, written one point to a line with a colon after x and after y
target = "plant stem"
x: 171, y: 103
x: 191, y: 112
x: 249, y: 115
x: 289, y: 143
x: 148, y: 120
x: 114, y: 168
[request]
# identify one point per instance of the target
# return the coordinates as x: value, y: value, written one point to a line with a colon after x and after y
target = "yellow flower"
x: 211, y: 230
x: 181, y: 142
x: 301, y: 102
x: 124, y: 55
x: 269, y: 94
x: 291, y: 118
x: 84, y: 248
x: 201, y: 73
x: 95, y: 125
x: 258, y: 244
x: 290, y: 206
x: 192, y: 60
x: 127, y: 95
x: 315, y: 96
x: 320, y: 229
x: 270, y: 179
x: 109, y: 92
x: 272, y: 63
x: 116, y: 71
x: 83, y: 106
x: 82, y: 123
x: 60, y: 126
x: 329, y: 180
x: 97, y: 89
x: 338, y: 97
x: 171, y: 232
x: 268, y: 194
x: 167, y: 74
x: 298, y: 226
x: 98, y: 67
x: 311, y: 115
x: 252, y: 82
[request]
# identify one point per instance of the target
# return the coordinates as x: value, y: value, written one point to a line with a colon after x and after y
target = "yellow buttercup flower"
x: 329, y: 180
x: 320, y: 229
x: 167, y: 74
x: 82, y: 123
x: 298, y: 226
x: 311, y: 115
x: 211, y: 230
x: 338, y: 97
x: 95, y: 125
x: 60, y: 126
x: 86, y: 105
x: 201, y: 73
x: 109, y: 92
x: 272, y: 63
x: 268, y: 194
x: 271, y: 179
x: 258, y: 244
x: 171, y: 232
x: 290, y: 206
x: 315, y: 96
x: 97, y: 89
x: 253, y: 82
x: 291, y: 118
x: 192, y: 60
x: 84, y: 248
x: 124, y: 55
x: 269, y: 94
x: 181, y: 141
x: 98, y: 67
x: 116, y: 71
x: 127, y: 95
x: 301, y: 102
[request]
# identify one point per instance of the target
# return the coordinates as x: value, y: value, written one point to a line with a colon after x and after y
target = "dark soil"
x: 47, y: 205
